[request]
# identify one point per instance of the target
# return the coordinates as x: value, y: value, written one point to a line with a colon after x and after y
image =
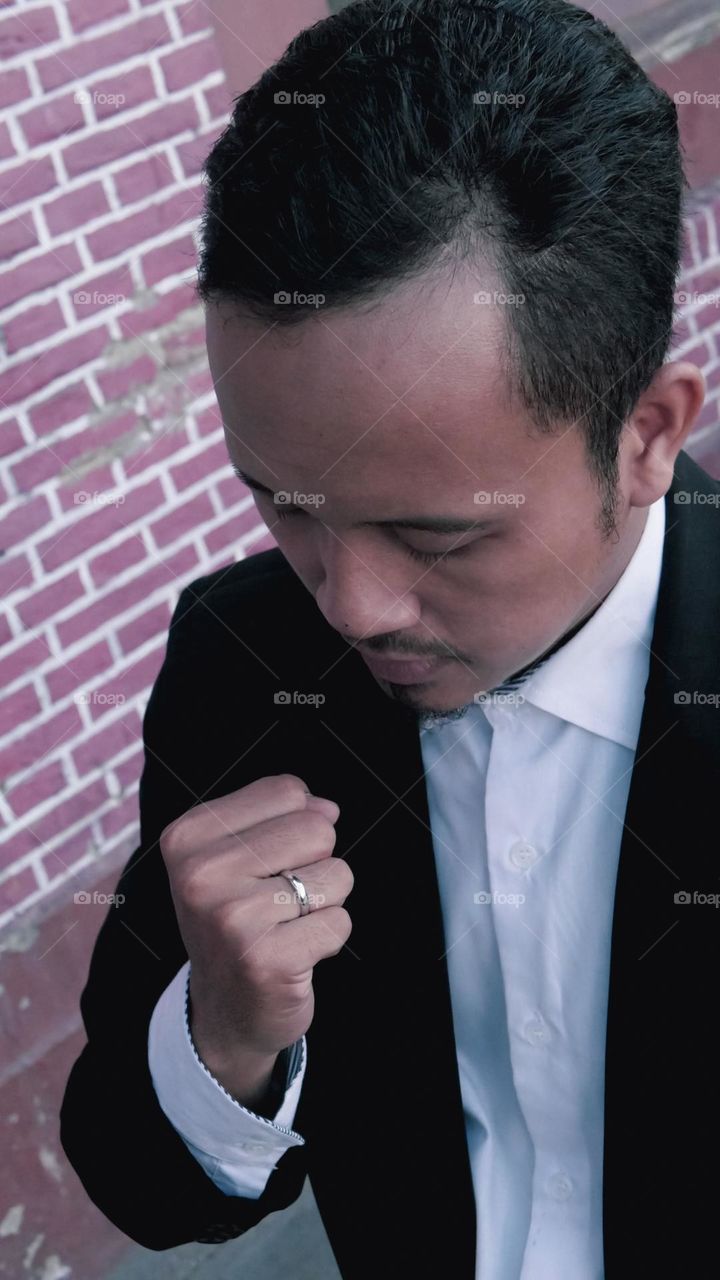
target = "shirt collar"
x: 597, y: 680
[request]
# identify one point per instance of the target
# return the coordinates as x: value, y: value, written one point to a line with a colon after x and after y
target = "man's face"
x: 315, y: 413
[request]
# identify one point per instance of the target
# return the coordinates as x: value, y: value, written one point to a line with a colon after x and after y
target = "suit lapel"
x: 660, y: 1050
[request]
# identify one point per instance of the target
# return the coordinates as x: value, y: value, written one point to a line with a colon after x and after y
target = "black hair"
x: 516, y: 132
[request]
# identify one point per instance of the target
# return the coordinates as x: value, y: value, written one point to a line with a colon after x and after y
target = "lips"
x: 401, y: 670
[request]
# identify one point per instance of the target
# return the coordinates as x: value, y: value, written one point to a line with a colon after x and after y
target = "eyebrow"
x: 432, y: 524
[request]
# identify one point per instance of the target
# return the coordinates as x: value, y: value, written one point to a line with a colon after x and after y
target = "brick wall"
x: 114, y: 481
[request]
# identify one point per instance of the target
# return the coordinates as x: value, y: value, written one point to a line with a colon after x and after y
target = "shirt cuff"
x: 237, y: 1148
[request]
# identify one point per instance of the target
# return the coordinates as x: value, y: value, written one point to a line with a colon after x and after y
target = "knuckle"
x: 291, y: 787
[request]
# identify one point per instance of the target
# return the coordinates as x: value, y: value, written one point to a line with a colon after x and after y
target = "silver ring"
x: 300, y: 890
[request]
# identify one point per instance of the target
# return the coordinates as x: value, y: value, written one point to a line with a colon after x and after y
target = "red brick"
x: 121, y: 92
x: 154, y: 220
x: 38, y: 371
x: 25, y: 181
x: 17, y: 234
x: 77, y: 806
x: 231, y: 531
x: 16, y: 847
x: 30, y: 514
x: 24, y: 659
x: 14, y: 87
x: 169, y: 260
x: 144, y: 178
x: 211, y: 460
x: 17, y: 708
x: 68, y: 405
x: 139, y: 320
x: 193, y: 17
x: 119, y: 381
x: 128, y: 773
x: 193, y: 153
x: 86, y: 490
x: 76, y: 208
x: 78, y: 60
x: 154, y: 622
x: 82, y: 15
x: 52, y: 119
x: 102, y: 521
x: 28, y: 30
x: 231, y: 492
x: 11, y: 437
x: 39, y: 273
x: 33, y: 325
x: 219, y: 101
x: 164, y: 445
x: 111, y: 289
x: 187, y: 66
x: 99, y: 749
x: 15, y: 575
x: 184, y: 344
x: 209, y: 421
x: 127, y: 553
x: 68, y: 854
x: 113, y: 605
x: 182, y: 520
x: 137, y: 134
x: 79, y: 670
x: 17, y: 888
x: 7, y: 146
x: 42, y: 784
x: 45, y: 602
x: 123, y: 815
x: 124, y: 685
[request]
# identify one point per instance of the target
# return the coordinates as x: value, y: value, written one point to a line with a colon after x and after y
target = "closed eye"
x: 425, y: 557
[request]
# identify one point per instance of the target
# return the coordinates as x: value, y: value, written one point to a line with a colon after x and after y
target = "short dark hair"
x: 574, y: 195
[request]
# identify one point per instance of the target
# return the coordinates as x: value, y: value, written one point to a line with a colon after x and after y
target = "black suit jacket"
x: 381, y: 1108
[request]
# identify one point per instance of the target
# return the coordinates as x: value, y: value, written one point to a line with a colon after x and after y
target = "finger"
x: 211, y: 820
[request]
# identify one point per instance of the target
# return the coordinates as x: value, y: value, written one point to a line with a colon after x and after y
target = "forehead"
x: 413, y: 386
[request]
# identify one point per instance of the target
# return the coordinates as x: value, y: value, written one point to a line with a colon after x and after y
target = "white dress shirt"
x: 527, y: 794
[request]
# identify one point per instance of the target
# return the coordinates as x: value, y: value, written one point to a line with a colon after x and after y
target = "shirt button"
x: 536, y: 1031
x: 560, y: 1186
x: 522, y: 854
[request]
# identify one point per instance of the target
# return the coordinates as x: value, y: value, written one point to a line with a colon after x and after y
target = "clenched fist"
x: 251, y: 951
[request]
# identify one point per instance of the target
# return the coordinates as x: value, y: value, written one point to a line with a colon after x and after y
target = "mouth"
x: 401, y: 670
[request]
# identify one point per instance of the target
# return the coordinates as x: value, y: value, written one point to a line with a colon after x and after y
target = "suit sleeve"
x: 131, y: 1160
x: 238, y: 1148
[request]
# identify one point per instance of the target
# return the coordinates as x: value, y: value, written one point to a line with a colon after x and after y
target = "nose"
x: 360, y: 597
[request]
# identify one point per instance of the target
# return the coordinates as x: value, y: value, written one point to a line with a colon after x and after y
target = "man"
x: 472, y: 693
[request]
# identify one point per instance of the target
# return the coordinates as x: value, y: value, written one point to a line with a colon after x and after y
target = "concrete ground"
x: 290, y: 1245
